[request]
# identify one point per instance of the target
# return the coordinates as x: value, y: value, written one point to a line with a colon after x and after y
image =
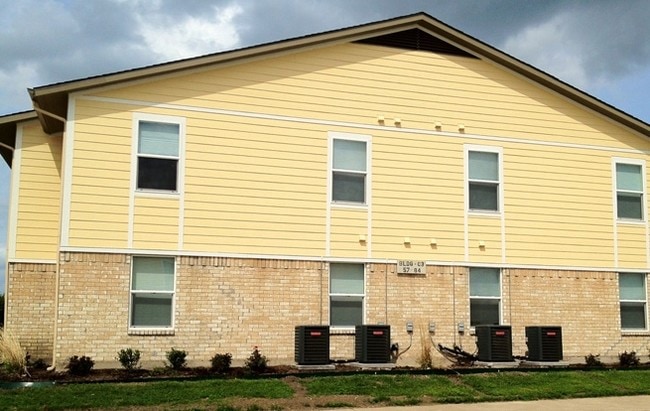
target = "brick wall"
x: 30, y: 301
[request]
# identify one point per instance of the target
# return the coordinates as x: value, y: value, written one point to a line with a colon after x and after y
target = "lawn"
x: 360, y: 389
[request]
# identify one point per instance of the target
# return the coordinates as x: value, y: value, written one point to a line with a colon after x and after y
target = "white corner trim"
x: 12, y: 225
x: 67, y: 160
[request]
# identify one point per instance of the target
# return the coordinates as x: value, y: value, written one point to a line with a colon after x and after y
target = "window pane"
x: 158, y: 138
x: 633, y: 316
x: 346, y: 311
x: 629, y: 206
x: 346, y: 278
x: 483, y: 312
x: 628, y: 177
x: 483, y: 166
x: 631, y: 286
x: 484, y: 282
x: 483, y: 196
x: 157, y: 173
x: 349, y: 187
x: 153, y: 274
x: 151, y: 310
x: 349, y: 155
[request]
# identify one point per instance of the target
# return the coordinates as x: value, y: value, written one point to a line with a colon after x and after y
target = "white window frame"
x: 347, y: 295
x: 331, y: 170
x: 634, y: 162
x: 132, y: 292
x: 156, y: 118
x: 485, y: 149
x: 643, y: 302
x: 499, y: 299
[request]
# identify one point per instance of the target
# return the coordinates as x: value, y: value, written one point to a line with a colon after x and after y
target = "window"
x: 483, y: 180
x: 158, y: 155
x: 349, y: 170
x: 347, y: 291
x: 629, y: 191
x: 484, y: 296
x: 633, y: 301
x: 152, y: 292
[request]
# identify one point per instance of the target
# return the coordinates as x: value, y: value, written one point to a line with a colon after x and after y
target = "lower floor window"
x: 347, y: 292
x: 632, y: 293
x: 484, y: 296
x: 152, y: 292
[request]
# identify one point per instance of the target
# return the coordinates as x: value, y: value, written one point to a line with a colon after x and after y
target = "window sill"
x: 354, y: 206
x: 341, y: 330
x: 150, y: 331
x: 632, y: 333
x: 157, y: 193
x: 484, y: 213
x: 630, y: 221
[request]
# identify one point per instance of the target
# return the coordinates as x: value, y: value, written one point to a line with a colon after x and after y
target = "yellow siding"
x: 259, y: 185
x: 631, y: 246
x: 39, y: 196
x: 101, y: 175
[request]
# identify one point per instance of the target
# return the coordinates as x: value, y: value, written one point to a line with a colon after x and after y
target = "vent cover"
x: 312, y: 345
x: 544, y: 343
x: 372, y: 343
x: 415, y: 39
x: 494, y: 343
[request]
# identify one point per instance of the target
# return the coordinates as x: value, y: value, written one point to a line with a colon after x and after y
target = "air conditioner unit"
x: 372, y: 343
x: 494, y: 343
x: 312, y: 345
x: 544, y: 343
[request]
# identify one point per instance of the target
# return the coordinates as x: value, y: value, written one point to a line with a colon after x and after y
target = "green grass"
x: 140, y: 394
x: 377, y: 389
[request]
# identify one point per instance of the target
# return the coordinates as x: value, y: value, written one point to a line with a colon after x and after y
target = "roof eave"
x: 8, y: 127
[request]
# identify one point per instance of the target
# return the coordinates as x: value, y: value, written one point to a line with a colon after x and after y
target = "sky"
x: 599, y: 46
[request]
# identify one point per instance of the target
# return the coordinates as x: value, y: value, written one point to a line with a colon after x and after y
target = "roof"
x: 50, y: 101
x: 8, y: 125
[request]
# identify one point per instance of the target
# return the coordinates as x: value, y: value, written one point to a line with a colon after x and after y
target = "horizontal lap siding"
x: 632, y: 246
x: 101, y: 175
x: 255, y: 186
x: 156, y: 223
x: 347, y: 226
x: 39, y: 196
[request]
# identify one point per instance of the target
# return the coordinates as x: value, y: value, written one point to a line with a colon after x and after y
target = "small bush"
x: 39, y: 364
x: 221, y: 363
x: 13, y: 357
x: 176, y: 359
x: 256, y: 362
x: 628, y: 359
x: 80, y: 365
x: 129, y: 358
x: 593, y: 360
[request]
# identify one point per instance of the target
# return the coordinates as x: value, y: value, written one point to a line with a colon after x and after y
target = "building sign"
x: 411, y: 267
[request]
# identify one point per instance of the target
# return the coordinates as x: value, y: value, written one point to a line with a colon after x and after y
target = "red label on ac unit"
x: 377, y: 333
x: 551, y: 333
x: 315, y: 333
x: 500, y: 333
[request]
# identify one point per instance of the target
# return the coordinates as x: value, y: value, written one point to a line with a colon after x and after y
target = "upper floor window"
x: 483, y: 184
x: 347, y: 292
x: 633, y: 299
x: 152, y: 292
x: 484, y: 296
x: 629, y: 191
x: 158, y: 155
x: 349, y: 170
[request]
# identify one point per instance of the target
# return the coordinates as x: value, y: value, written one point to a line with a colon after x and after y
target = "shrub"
x: 80, y: 365
x: 593, y: 360
x: 628, y: 359
x: 176, y: 359
x: 221, y: 362
x: 256, y: 362
x: 129, y: 358
x: 39, y: 364
x: 12, y: 356
x: 425, y: 361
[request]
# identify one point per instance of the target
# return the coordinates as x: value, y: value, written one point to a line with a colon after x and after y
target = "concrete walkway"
x: 633, y: 403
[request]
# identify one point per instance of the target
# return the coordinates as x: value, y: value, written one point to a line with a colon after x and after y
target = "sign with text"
x: 411, y: 267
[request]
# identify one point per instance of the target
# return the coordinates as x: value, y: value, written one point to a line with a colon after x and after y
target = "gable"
x: 415, y: 39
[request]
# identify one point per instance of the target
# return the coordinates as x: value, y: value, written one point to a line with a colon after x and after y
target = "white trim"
x: 644, y: 276
x: 479, y: 297
x: 180, y: 177
x: 463, y: 136
x: 189, y: 253
x: 152, y: 330
x: 12, y: 224
x: 31, y: 261
x: 364, y: 296
x: 67, y: 159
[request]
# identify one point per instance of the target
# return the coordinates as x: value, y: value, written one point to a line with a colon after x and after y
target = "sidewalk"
x: 633, y: 403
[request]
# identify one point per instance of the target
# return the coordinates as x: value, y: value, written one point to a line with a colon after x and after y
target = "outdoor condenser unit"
x: 494, y: 343
x: 372, y: 343
x: 312, y: 345
x: 544, y: 343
